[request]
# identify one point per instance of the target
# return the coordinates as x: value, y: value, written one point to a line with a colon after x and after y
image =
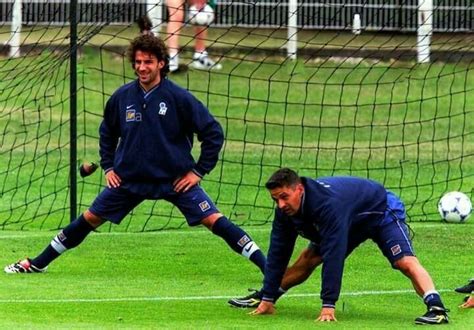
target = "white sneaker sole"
x: 198, y: 66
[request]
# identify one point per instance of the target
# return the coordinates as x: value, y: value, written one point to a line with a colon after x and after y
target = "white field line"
x: 184, y: 231
x: 194, y: 298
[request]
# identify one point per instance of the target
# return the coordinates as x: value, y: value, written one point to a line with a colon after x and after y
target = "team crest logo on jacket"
x: 132, y: 115
x: 163, y: 109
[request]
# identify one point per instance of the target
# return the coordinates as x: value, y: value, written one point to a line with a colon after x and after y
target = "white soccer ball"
x: 455, y: 206
x: 205, y: 16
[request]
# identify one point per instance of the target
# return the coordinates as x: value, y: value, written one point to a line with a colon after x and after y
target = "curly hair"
x: 150, y: 44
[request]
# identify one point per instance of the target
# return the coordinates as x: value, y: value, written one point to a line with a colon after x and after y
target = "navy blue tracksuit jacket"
x: 148, y: 137
x: 332, y: 209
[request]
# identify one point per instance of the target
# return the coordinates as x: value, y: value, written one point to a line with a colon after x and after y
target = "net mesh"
x: 351, y: 104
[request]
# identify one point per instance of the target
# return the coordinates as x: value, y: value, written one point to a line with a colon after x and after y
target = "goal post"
x: 15, y: 29
x: 292, y: 45
x: 425, y: 30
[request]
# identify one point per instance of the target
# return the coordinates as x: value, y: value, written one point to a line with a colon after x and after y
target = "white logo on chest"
x: 163, y: 109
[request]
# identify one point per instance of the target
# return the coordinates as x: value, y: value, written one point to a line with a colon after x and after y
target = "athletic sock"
x: 71, y: 236
x: 239, y: 241
x: 432, y: 298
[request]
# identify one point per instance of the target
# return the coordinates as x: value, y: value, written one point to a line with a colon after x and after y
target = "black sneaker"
x: 434, y: 315
x: 467, y: 289
x: 23, y: 266
x: 250, y: 301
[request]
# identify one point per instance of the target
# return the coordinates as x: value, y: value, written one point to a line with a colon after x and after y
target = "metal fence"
x: 376, y: 15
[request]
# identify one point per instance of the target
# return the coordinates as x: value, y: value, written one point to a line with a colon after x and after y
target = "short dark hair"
x: 284, y: 177
x: 150, y: 44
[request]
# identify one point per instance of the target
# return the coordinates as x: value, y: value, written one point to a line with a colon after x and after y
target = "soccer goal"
x: 351, y: 97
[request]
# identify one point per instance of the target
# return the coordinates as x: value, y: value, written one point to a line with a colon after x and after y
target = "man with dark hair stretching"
x: 146, y: 138
x: 337, y: 214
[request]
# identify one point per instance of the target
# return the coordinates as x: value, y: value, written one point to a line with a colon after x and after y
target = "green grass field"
x: 182, y: 279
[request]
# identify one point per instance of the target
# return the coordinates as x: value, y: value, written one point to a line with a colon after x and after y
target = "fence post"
x: 154, y: 9
x: 73, y: 110
x: 291, y: 43
x: 425, y: 30
x: 15, y: 30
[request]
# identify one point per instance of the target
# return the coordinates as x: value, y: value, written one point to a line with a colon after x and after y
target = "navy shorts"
x: 114, y: 204
x: 391, y: 235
